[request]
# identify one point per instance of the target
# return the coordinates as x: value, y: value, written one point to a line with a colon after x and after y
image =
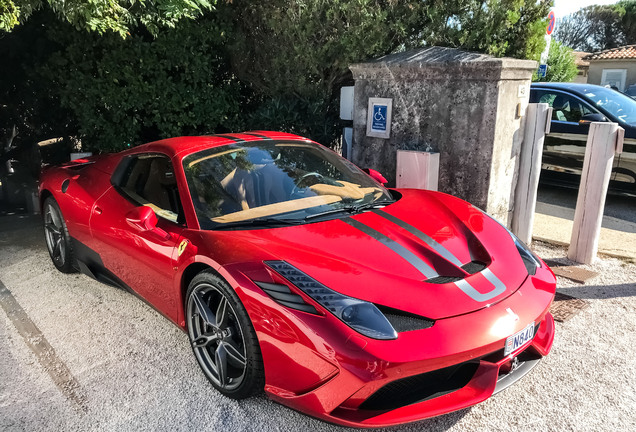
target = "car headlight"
x: 360, y: 315
x: 530, y: 260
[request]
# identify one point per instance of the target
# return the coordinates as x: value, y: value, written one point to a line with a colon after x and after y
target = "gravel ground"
x: 134, y: 370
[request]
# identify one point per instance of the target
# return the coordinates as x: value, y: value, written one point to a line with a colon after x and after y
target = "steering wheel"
x: 302, y: 178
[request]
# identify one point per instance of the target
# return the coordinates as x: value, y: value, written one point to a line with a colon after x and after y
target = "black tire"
x: 222, y: 337
x: 58, y: 241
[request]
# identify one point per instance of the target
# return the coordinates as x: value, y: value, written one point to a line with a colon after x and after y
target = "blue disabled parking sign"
x: 543, y: 69
x: 379, y: 117
x: 378, y: 122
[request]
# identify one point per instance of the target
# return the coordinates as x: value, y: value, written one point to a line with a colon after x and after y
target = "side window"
x: 150, y: 180
x: 565, y: 108
x: 586, y: 109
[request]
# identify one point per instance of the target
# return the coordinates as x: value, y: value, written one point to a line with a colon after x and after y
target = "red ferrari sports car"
x: 294, y: 272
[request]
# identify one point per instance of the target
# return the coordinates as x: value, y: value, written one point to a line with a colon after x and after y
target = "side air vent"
x: 283, y: 295
x: 443, y: 279
x: 473, y: 267
x: 404, y: 321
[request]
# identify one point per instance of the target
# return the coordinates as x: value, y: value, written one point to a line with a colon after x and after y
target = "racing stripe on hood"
x: 403, y: 252
x: 420, y: 235
x: 499, y: 287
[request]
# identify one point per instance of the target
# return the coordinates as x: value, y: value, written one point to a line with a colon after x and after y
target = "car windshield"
x: 617, y: 104
x: 275, y: 181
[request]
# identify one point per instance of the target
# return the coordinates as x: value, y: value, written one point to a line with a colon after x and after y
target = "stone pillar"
x: 463, y: 105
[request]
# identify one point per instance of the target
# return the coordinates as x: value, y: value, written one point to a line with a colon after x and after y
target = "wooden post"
x: 536, y: 127
x: 603, y: 140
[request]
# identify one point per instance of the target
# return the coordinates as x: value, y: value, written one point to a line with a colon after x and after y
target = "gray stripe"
x: 406, y: 254
x: 499, y: 287
x: 419, y: 234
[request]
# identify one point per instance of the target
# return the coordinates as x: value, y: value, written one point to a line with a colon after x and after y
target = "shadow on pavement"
x: 23, y: 230
x: 600, y: 292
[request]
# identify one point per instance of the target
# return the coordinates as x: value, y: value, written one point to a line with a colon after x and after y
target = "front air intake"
x: 418, y: 388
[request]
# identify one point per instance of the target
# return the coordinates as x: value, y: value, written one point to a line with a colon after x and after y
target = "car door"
x: 137, y: 251
x: 564, y: 146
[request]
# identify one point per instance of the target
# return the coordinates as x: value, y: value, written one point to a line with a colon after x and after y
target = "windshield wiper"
x: 361, y: 207
x: 350, y: 209
x: 256, y: 222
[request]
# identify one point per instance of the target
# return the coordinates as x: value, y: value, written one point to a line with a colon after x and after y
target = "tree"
x: 119, y: 16
x: 595, y: 28
x: 124, y: 92
x: 628, y: 20
x: 561, y: 64
x: 512, y: 28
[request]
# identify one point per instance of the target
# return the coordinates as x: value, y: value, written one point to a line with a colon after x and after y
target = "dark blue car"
x: 574, y: 107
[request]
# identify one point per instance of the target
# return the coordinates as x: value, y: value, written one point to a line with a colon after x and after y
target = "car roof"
x: 577, y: 88
x: 189, y: 144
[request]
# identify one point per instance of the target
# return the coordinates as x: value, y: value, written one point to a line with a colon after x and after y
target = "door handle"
x: 97, y: 210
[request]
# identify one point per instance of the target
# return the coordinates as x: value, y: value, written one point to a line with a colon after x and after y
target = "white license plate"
x: 519, y: 339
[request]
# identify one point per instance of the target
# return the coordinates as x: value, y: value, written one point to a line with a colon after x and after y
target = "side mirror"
x: 144, y: 218
x: 375, y: 175
x: 589, y: 118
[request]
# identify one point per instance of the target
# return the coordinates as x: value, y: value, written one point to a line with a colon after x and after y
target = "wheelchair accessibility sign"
x: 379, y: 117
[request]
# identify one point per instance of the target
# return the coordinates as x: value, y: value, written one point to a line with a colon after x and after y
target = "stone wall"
x: 462, y: 104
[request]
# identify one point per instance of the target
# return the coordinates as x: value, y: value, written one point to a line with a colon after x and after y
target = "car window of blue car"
x: 565, y: 108
x: 621, y: 107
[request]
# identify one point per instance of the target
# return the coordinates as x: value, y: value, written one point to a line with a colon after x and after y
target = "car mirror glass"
x: 589, y: 118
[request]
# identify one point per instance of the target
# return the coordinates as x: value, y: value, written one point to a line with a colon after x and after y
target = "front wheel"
x: 223, y: 338
x: 58, y: 240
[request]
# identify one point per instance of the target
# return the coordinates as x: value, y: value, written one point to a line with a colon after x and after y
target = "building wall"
x: 596, y: 70
x: 581, y: 75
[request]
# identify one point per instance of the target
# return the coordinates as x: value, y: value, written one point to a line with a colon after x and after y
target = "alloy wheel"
x: 216, y: 336
x: 54, y: 232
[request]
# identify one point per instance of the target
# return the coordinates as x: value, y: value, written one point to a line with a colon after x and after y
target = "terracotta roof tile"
x: 624, y: 52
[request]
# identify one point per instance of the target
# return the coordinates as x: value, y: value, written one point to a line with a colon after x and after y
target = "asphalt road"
x: 79, y: 355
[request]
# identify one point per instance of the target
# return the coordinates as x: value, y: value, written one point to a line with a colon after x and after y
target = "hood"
x: 428, y: 254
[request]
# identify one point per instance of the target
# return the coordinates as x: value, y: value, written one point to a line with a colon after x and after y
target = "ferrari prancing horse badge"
x: 182, y: 247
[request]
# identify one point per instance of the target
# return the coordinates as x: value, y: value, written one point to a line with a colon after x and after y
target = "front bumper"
x: 455, y: 364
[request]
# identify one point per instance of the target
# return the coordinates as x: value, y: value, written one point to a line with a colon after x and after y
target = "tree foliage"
x: 128, y: 91
x: 512, y: 28
x: 295, y: 53
x: 255, y: 65
x: 119, y: 16
x: 561, y: 64
x: 628, y: 20
x: 597, y: 28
